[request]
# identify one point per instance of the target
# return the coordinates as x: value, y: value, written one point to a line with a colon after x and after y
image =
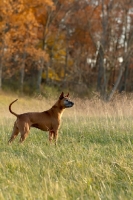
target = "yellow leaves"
x: 55, y: 75
x: 60, y: 55
x: 70, y: 62
x: 57, y: 46
x: 56, y: 41
x: 51, y: 75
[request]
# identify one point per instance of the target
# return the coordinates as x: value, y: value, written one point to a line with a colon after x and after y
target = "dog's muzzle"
x: 68, y: 104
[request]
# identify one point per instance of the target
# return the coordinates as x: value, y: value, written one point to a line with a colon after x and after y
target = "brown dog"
x: 47, y: 121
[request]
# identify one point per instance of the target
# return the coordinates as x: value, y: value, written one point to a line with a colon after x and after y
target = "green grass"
x: 93, y: 158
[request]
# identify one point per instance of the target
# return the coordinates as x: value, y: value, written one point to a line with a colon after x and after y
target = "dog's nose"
x: 72, y: 103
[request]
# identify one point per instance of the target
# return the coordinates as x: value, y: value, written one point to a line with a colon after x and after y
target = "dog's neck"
x: 58, y: 108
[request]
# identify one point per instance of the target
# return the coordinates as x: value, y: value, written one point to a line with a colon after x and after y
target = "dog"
x: 48, y: 120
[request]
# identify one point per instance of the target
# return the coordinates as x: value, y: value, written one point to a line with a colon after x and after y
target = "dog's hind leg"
x: 51, y: 136
x: 24, y: 130
x: 55, y: 136
x: 14, y: 133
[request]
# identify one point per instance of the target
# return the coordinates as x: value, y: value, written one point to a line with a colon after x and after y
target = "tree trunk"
x: 40, y: 71
x: 1, y: 64
x: 1, y: 75
x: 123, y: 85
x: 116, y: 83
x: 22, y: 78
x: 22, y: 73
x: 66, y: 63
x: 100, y: 64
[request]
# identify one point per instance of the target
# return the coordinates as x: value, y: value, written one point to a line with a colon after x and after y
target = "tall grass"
x: 93, y: 158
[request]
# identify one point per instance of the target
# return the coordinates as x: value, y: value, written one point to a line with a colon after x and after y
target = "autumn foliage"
x: 81, y: 44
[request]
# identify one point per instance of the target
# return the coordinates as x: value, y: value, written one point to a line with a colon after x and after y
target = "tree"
x: 73, y: 43
x: 112, y: 45
x: 21, y: 37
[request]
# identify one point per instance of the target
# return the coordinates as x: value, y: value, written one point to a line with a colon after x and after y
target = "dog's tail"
x: 10, y: 108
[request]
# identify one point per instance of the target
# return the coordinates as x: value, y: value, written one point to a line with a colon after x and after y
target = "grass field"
x: 93, y: 158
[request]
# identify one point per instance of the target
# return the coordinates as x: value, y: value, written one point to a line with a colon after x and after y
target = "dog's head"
x: 64, y: 101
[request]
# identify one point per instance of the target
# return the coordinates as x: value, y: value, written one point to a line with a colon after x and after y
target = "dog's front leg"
x: 53, y: 135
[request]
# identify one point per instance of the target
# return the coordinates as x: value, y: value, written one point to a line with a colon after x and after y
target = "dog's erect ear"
x: 67, y: 95
x: 61, y: 96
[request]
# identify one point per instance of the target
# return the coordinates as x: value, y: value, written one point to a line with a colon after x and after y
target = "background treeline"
x: 84, y: 45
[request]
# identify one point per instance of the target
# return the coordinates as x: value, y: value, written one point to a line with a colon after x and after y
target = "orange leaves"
x: 37, y: 3
x: 20, y: 35
x: 25, y: 18
x: 66, y: 2
x: 37, y: 54
x: 41, y: 10
x: 56, y: 46
x: 41, y: 15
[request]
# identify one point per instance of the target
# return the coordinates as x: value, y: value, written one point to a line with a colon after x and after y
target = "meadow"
x: 93, y: 158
